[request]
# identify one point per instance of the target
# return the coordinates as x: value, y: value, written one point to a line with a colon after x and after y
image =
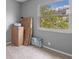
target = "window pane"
x: 56, y: 22
x: 55, y: 15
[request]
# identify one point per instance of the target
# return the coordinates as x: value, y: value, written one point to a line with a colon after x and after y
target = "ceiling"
x: 21, y: 0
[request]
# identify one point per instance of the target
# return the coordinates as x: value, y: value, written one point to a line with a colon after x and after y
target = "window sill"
x: 56, y: 30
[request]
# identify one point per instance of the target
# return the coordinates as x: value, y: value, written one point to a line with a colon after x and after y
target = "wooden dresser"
x: 17, y: 34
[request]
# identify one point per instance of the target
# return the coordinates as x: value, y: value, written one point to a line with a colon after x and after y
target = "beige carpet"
x: 30, y: 52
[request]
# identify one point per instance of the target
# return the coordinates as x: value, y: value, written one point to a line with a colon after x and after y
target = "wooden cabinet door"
x: 14, y: 36
x: 27, y: 24
x: 20, y: 35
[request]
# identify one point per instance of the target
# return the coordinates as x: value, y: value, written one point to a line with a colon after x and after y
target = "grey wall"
x: 59, y: 41
x: 12, y: 15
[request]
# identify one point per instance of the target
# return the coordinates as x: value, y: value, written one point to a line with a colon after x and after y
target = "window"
x: 55, y: 15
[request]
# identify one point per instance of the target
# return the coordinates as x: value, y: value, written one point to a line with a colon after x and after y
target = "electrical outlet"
x: 49, y: 43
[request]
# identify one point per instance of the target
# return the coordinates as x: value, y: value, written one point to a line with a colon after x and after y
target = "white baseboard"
x: 7, y: 43
x: 58, y: 51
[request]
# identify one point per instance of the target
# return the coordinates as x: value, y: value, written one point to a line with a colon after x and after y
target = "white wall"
x: 59, y: 41
x: 12, y: 15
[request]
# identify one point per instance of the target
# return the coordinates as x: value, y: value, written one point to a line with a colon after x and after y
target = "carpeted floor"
x: 31, y: 52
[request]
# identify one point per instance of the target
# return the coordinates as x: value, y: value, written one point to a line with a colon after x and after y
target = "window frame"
x: 69, y: 30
